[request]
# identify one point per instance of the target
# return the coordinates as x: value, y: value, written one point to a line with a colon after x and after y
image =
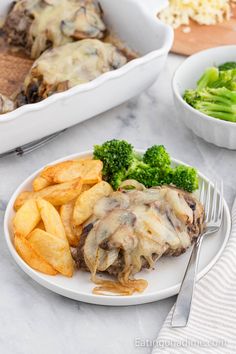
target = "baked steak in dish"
x: 36, y: 25
x: 61, y: 68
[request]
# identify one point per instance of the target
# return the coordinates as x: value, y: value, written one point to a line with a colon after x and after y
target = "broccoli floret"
x: 148, y: 176
x: 139, y: 171
x: 215, y: 95
x: 115, y: 154
x: 219, y: 103
x: 118, y: 158
x: 153, y: 169
x: 190, y: 96
x: 157, y: 156
x: 227, y: 66
x: 166, y: 176
x: 210, y: 75
x: 185, y: 177
x: 226, y: 79
x: 117, y: 178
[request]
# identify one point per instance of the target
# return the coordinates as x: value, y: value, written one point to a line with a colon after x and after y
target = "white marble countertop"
x: 35, y: 320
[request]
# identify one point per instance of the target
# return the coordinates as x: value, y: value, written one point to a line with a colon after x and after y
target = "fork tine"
x: 221, y: 199
x: 207, y: 202
x: 202, y: 193
x: 214, y: 202
x: 211, y: 196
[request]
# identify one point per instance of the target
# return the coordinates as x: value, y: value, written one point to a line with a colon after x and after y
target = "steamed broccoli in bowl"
x: 227, y: 66
x: 153, y: 168
x: 215, y: 94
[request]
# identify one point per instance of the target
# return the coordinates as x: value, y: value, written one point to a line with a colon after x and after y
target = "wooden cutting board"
x: 203, y: 37
x: 13, y: 70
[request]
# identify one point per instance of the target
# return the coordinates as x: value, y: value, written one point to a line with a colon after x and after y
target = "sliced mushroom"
x: 86, y: 23
x: 116, y: 200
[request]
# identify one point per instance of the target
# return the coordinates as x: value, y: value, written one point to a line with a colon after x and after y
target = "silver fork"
x: 30, y: 147
x: 212, y: 199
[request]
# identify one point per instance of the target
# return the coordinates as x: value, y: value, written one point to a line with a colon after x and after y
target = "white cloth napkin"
x: 212, y: 323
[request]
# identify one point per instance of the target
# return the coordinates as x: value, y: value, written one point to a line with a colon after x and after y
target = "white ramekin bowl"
x: 215, y: 131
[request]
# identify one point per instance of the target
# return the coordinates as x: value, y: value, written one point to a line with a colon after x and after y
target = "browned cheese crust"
x: 36, y: 25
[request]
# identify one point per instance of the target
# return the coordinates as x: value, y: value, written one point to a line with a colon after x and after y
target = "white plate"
x: 163, y: 282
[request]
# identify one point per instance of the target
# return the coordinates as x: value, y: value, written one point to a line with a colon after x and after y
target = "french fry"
x: 26, y: 218
x: 31, y: 257
x: 89, y: 157
x: 88, y: 170
x: 51, y: 219
x: 57, y: 194
x: 49, y: 172
x: 40, y: 225
x: 86, y: 187
x: 77, y: 231
x: 85, y: 202
x: 40, y: 183
x: 72, y: 232
x: 92, y: 171
x: 22, y: 198
x: 54, y: 250
x: 64, y: 172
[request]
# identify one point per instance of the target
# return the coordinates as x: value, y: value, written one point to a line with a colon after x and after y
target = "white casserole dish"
x: 135, y: 22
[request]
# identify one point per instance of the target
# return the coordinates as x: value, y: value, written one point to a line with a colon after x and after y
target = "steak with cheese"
x: 74, y: 63
x: 131, y: 230
x: 36, y: 25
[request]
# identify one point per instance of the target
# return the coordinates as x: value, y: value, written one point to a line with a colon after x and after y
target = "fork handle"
x: 183, y: 304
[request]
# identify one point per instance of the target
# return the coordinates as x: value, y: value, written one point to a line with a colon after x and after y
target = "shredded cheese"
x: 204, y: 12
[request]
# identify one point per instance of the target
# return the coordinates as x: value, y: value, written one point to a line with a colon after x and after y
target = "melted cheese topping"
x: 59, y: 21
x: 75, y: 63
x: 142, y: 225
x: 204, y: 12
